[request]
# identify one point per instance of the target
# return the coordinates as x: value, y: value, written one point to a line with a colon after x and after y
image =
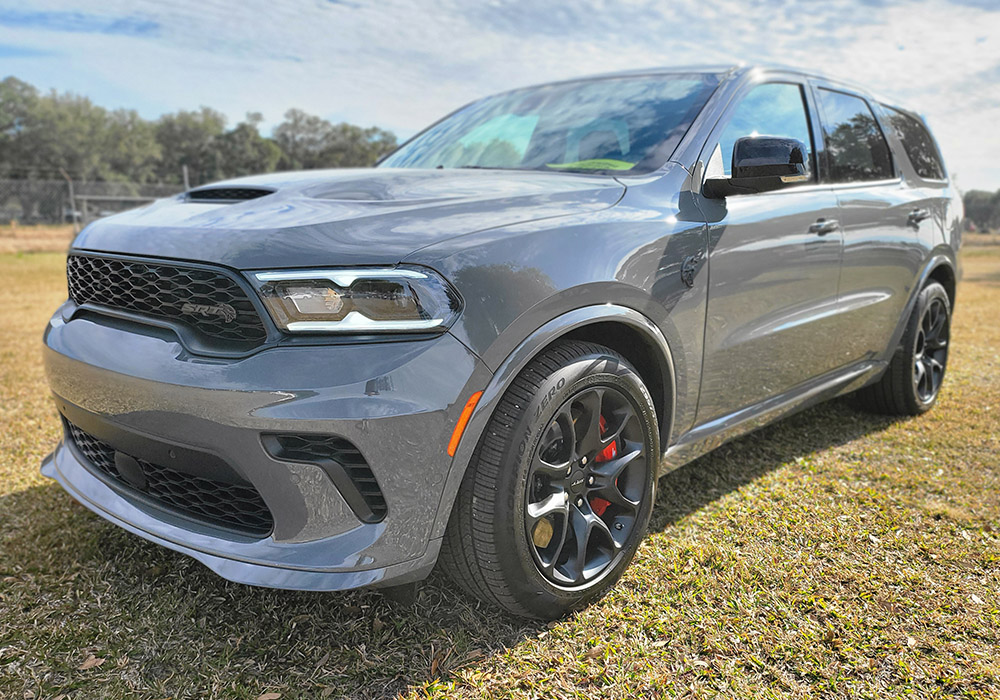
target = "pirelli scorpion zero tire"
x: 559, y: 492
x: 911, y: 383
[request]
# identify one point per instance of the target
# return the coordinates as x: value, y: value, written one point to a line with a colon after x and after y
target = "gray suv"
x: 483, y: 352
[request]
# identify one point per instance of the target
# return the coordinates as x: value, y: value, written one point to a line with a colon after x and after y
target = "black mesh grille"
x: 227, y: 194
x: 208, y: 302
x: 319, y: 448
x: 234, y: 506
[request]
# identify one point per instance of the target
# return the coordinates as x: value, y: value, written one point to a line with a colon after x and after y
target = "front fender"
x: 519, y: 358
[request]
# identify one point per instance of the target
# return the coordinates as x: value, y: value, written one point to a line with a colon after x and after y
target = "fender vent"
x: 343, y: 463
x: 227, y: 194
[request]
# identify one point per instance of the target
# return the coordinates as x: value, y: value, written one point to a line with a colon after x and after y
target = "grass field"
x: 35, y: 239
x: 835, y: 554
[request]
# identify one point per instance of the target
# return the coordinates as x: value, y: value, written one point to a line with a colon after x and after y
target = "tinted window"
x: 772, y: 109
x: 855, y: 148
x: 612, y: 125
x: 918, y: 144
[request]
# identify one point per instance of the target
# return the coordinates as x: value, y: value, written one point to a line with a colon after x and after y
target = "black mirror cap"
x: 762, y: 164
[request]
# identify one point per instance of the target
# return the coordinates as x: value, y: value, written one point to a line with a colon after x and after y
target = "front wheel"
x: 911, y: 383
x: 559, y: 492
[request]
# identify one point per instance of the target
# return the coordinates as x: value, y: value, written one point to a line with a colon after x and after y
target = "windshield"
x: 612, y: 125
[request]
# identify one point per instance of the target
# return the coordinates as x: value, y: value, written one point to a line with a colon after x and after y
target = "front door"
x: 774, y: 265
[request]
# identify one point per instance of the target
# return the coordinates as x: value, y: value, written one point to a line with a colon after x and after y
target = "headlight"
x: 359, y: 300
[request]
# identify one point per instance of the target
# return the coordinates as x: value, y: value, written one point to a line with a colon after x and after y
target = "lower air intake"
x: 234, y: 506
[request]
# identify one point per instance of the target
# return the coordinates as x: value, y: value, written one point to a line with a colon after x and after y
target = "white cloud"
x: 402, y: 63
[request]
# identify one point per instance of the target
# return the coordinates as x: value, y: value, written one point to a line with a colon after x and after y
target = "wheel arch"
x: 943, y: 271
x: 622, y: 329
x: 939, y: 267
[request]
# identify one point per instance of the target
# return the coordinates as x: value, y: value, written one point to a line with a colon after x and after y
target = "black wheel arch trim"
x: 517, y: 360
x: 940, y: 257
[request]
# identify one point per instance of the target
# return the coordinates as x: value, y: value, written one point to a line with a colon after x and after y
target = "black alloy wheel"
x: 585, y: 485
x: 930, y: 352
x: 558, y: 495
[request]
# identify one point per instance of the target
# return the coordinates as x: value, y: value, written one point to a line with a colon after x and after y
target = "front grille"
x: 210, y: 303
x: 227, y: 194
x: 234, y: 506
x: 343, y: 462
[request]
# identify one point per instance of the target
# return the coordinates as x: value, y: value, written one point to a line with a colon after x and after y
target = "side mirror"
x: 762, y: 164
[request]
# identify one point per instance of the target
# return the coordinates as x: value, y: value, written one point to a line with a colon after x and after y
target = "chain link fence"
x: 60, y: 202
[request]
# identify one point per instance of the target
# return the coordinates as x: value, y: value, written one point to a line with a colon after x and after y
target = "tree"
x: 982, y: 209
x: 43, y: 134
x: 131, y: 150
x: 350, y: 146
x: 308, y: 142
x: 301, y: 138
x: 17, y: 101
x: 187, y: 138
x: 243, y: 151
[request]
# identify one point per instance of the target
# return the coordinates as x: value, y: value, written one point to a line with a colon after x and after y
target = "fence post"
x: 72, y: 201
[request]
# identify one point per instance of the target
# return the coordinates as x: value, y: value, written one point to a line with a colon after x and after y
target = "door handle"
x: 916, y: 216
x: 824, y: 226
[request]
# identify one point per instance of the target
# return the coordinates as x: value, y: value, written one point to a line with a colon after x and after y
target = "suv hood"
x: 344, y: 217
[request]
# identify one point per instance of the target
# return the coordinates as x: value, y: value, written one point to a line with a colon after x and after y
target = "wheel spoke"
x: 614, y: 495
x: 936, y: 372
x: 554, y: 470
x: 613, y: 468
x: 588, y: 424
x: 555, y: 504
x: 937, y: 324
x: 581, y: 535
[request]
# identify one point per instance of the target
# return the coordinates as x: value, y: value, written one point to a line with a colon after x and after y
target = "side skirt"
x: 707, y: 436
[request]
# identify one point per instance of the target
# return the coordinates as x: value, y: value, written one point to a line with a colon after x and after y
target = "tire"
x: 535, y: 463
x: 911, y: 383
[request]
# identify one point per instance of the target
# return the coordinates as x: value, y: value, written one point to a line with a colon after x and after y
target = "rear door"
x: 884, y: 221
x: 774, y: 263
x: 922, y: 167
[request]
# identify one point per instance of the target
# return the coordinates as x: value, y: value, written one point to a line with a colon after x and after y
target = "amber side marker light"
x: 463, y: 419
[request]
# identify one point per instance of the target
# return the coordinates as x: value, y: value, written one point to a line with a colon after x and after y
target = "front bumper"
x: 397, y: 402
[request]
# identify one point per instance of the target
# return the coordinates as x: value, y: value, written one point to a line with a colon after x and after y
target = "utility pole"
x: 187, y: 183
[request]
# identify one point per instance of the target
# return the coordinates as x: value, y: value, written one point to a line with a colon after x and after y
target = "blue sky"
x: 401, y: 64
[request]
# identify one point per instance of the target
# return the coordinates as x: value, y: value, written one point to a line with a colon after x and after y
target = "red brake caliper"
x: 598, y: 504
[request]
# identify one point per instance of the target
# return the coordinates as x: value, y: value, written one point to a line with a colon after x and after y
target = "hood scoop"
x: 223, y: 195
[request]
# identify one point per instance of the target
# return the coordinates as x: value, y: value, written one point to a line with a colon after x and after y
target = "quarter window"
x: 918, y: 144
x: 855, y: 148
x: 771, y: 109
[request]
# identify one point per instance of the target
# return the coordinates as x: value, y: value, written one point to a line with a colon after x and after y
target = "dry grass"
x: 35, y: 239
x: 977, y: 239
x: 835, y: 554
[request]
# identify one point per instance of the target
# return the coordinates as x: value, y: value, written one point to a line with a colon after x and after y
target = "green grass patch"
x: 834, y: 554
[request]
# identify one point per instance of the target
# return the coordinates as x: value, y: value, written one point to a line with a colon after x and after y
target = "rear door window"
x: 855, y: 150
x: 917, y: 143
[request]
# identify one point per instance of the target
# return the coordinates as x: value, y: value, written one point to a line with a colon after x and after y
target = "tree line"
x: 45, y: 134
x: 982, y: 209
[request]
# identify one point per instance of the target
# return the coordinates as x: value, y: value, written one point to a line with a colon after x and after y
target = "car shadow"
x: 179, y: 628
x: 742, y: 461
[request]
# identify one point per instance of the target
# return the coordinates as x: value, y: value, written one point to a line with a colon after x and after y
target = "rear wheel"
x: 559, y: 492
x: 911, y: 383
